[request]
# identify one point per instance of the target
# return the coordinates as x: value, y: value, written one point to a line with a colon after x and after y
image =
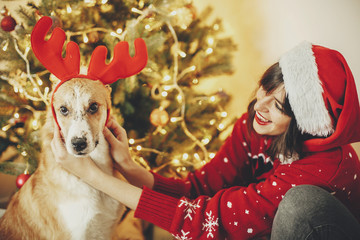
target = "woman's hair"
x: 288, y: 144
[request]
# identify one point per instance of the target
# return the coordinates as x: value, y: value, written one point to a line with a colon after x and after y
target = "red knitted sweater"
x: 236, y: 195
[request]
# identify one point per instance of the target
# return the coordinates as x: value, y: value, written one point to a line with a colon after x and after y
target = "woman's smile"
x: 260, y: 119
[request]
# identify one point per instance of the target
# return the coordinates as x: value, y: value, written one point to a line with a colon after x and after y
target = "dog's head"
x: 81, y: 107
x: 80, y: 101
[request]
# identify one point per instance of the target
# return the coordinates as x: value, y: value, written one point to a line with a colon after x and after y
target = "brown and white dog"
x: 54, y: 204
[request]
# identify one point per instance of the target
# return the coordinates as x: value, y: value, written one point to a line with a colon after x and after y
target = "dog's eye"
x: 64, y: 111
x: 93, y: 108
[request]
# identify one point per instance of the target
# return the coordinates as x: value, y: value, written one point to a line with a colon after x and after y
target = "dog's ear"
x: 108, y: 87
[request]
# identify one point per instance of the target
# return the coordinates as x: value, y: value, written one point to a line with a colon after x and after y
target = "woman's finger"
x: 114, y: 127
x: 109, y: 136
x: 57, y: 144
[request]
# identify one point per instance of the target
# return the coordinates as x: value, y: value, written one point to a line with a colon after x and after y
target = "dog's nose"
x: 79, y: 144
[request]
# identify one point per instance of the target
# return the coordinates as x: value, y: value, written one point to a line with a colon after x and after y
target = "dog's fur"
x: 54, y: 204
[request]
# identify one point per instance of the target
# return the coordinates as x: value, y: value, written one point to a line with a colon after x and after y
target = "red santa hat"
x: 321, y: 91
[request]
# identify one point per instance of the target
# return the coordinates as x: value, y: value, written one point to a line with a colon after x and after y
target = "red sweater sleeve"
x: 230, y: 166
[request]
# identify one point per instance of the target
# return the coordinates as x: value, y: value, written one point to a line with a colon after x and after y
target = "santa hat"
x: 316, y: 79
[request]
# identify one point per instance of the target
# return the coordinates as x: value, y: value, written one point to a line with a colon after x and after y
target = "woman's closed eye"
x: 279, y: 106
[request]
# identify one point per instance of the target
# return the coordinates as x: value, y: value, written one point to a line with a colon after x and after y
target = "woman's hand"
x: 83, y: 167
x: 119, y: 149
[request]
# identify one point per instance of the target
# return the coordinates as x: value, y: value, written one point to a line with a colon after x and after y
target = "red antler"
x: 122, y: 65
x: 49, y: 52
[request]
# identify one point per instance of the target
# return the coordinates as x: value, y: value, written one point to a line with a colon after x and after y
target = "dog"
x: 54, y: 204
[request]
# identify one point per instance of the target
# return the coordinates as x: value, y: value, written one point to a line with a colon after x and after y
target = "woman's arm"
x: 121, y: 191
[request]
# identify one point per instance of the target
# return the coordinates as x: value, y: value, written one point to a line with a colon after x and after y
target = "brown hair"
x: 290, y: 142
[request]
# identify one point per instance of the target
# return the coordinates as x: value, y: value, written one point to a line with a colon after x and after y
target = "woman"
x: 296, y: 133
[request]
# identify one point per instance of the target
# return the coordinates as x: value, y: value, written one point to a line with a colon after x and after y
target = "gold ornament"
x: 159, y: 117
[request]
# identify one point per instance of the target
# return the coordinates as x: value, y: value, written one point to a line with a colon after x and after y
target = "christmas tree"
x: 172, y: 128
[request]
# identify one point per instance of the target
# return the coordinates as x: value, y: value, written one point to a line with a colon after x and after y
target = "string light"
x: 167, y: 88
x: 209, y: 51
x: 175, y: 119
x: 90, y: 2
x: 46, y: 90
x: 35, y: 124
x: 167, y: 78
x: 5, y: 46
x: 131, y: 141
x: 85, y: 38
x: 163, y: 131
x: 224, y: 114
x: 175, y: 161
x: 68, y: 8
x: 210, y: 41
x: 5, y: 128
x: 182, y: 54
x: 221, y: 126
x: 179, y: 98
x: 41, y: 97
x: 135, y: 10
x: 205, y: 140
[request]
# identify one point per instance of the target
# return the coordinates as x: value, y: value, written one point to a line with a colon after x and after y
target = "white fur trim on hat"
x: 304, y: 90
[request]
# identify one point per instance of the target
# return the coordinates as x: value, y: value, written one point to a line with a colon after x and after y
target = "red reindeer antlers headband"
x: 49, y: 54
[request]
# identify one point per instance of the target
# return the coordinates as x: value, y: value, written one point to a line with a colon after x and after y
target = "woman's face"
x: 270, y: 118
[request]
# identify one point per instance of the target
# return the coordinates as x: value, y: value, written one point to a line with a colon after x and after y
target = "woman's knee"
x: 305, y: 206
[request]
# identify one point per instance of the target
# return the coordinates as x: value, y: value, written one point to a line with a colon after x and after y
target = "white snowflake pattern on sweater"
x: 184, y: 236
x: 210, y: 224
x: 190, y: 207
